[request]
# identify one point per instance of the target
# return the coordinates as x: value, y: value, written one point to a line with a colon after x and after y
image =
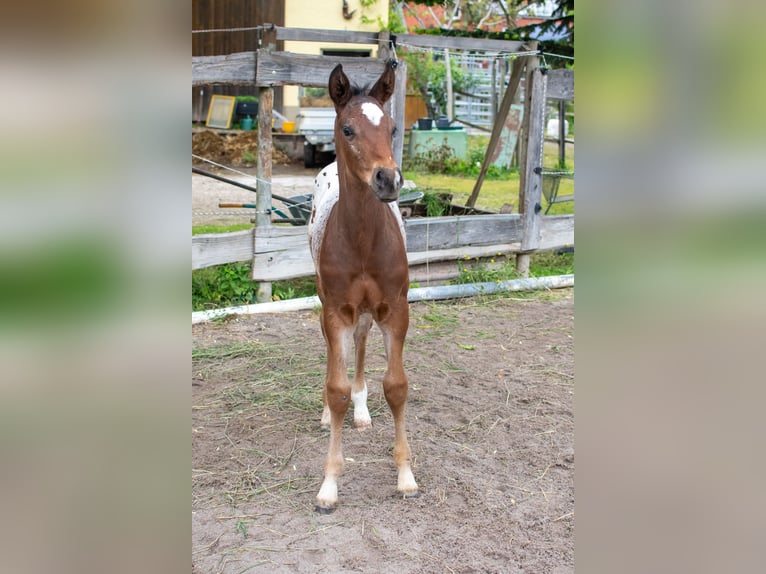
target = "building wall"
x: 222, y: 15
x: 327, y: 15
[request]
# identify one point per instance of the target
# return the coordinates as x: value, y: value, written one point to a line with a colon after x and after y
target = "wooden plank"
x: 283, y: 252
x: 229, y: 69
x: 556, y: 231
x: 560, y: 84
x: 283, y: 264
x: 397, y: 110
x: 218, y: 248
x: 434, y: 233
x: 443, y: 269
x: 562, y: 133
x: 423, y: 234
x: 497, y: 128
x: 286, y: 68
x: 460, y: 252
x: 263, y: 173
x: 296, y: 261
x: 313, y: 35
x: 531, y: 63
x: 455, y: 43
x: 532, y: 202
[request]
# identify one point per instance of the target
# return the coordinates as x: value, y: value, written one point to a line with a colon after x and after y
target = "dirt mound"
x: 235, y: 150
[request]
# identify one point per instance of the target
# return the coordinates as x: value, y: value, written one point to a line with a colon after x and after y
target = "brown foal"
x: 358, y: 245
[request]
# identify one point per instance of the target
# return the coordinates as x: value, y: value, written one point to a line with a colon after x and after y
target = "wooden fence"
x: 433, y: 244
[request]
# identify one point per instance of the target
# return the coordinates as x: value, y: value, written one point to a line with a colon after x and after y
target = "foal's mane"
x: 357, y: 90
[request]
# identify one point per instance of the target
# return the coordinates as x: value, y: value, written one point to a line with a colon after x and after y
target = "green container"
x: 246, y: 123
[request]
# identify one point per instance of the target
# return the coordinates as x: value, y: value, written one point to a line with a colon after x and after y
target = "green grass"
x: 230, y: 285
x: 200, y: 229
x: 503, y: 267
x: 263, y: 374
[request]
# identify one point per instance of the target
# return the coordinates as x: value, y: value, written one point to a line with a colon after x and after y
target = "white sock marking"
x: 361, y: 414
x: 328, y: 494
x: 406, y: 482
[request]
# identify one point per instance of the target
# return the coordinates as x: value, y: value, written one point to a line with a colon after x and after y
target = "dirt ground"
x: 490, y: 422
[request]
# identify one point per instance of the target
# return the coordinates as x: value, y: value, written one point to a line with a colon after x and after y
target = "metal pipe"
x: 417, y: 294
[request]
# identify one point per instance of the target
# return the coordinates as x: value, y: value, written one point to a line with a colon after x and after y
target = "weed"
x: 242, y: 528
x: 230, y: 285
x: 503, y: 268
x: 436, y: 204
x: 433, y: 160
x: 248, y: 157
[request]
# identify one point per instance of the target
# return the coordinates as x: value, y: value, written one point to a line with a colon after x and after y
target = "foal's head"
x: 363, y: 133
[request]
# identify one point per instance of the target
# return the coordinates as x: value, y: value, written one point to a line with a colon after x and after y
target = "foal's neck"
x: 361, y: 209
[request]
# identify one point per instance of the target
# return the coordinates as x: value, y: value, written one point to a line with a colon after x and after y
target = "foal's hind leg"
x: 395, y: 387
x: 325, y: 422
x: 362, y: 418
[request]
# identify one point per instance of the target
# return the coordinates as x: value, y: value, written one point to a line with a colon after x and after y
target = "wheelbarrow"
x: 299, y: 206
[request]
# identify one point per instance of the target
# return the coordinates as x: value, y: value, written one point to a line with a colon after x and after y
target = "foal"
x: 357, y: 242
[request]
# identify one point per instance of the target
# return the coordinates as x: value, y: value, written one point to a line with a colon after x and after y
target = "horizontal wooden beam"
x: 283, y: 253
x: 556, y: 231
x: 457, y: 43
x: 236, y: 68
x: 337, y: 36
x: 434, y: 233
x: 286, y: 68
x: 217, y: 248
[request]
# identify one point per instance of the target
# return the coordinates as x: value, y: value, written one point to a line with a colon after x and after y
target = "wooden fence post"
x: 562, y: 134
x: 395, y: 106
x: 530, y: 63
x: 263, y: 173
x: 530, y: 205
x: 397, y: 110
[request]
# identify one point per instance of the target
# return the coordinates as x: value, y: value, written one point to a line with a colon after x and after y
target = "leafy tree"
x: 427, y: 73
x: 466, y: 18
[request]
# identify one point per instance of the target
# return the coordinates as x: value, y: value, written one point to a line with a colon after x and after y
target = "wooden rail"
x: 283, y: 253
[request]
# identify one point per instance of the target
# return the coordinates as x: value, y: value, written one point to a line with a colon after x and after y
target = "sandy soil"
x: 490, y: 422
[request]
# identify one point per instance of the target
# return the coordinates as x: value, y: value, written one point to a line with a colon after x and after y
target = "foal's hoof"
x: 362, y: 424
x: 323, y: 510
x: 409, y: 495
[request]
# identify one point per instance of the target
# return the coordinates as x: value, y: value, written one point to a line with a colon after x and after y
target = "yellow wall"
x: 327, y: 15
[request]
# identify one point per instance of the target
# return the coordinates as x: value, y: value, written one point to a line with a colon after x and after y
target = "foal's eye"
x: 347, y: 131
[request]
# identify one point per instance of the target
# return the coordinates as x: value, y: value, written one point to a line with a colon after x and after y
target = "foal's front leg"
x: 395, y: 388
x: 337, y: 397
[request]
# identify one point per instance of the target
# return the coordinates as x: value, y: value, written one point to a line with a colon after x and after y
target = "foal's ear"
x: 340, y: 87
x: 384, y: 87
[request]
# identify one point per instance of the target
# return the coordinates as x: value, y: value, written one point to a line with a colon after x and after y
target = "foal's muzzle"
x: 386, y: 183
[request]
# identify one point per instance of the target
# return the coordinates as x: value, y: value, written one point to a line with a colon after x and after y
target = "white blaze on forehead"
x: 372, y: 112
